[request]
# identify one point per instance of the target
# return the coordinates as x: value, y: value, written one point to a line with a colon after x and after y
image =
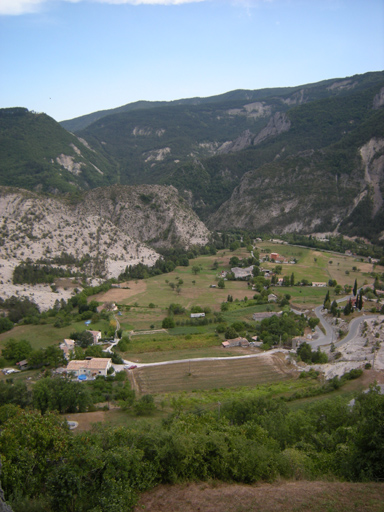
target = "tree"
x: 221, y: 283
x: 20, y: 308
x: 312, y: 322
x: 348, y: 308
x: 231, y: 333
x: 355, y: 288
x: 145, y: 406
x: 176, y: 309
x: 292, y: 279
x: 168, y: 323
x: 16, y: 350
x: 196, y: 269
x: 305, y: 352
x: 327, y: 301
x: 83, y: 339
x: 338, y: 289
x: 62, y: 395
x: 5, y: 324
x: 368, y: 462
x: 359, y: 301
x: 334, y: 308
x: 31, y: 445
x: 54, y: 356
x: 234, y: 261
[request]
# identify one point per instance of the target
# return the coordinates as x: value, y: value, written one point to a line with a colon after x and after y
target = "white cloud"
x: 19, y: 6
x: 149, y: 2
x: 16, y: 7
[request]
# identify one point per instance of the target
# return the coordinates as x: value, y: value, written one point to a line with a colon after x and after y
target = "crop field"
x: 196, y: 375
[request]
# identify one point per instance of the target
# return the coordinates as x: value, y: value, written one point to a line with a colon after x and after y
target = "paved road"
x: 354, y: 329
x: 329, y: 336
x: 323, y: 339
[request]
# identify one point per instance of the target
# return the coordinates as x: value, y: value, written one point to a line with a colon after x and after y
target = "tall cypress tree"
x: 355, y: 288
x: 360, y: 300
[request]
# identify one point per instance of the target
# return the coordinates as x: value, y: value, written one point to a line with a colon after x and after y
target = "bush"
x: 123, y: 344
x: 145, y: 406
x: 168, y: 323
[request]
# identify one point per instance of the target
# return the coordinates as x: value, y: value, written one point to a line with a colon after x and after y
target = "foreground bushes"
x: 252, y: 440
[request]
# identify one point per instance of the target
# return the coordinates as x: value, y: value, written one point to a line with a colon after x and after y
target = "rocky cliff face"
x: 304, y: 194
x: 151, y: 213
x: 110, y: 227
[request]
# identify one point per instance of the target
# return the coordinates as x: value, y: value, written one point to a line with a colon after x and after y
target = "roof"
x: 96, y: 363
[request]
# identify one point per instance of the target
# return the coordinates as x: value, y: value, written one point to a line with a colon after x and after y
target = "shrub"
x: 168, y: 323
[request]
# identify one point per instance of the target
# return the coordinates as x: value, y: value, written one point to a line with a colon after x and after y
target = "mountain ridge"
x: 234, y: 149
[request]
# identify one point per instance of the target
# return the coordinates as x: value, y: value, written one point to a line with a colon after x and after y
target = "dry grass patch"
x: 277, y: 497
x: 126, y: 291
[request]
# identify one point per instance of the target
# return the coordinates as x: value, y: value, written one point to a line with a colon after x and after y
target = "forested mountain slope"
x: 36, y: 153
x: 306, y: 158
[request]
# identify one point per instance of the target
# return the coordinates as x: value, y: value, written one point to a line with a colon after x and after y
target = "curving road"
x: 329, y: 336
x: 323, y: 340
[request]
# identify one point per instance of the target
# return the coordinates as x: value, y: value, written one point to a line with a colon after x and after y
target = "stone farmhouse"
x: 236, y: 342
x: 90, y: 368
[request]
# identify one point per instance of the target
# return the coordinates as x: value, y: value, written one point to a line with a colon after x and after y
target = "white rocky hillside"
x: 37, y: 227
x: 151, y: 213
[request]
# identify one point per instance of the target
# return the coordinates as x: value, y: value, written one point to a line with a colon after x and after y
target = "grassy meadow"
x: 143, y: 304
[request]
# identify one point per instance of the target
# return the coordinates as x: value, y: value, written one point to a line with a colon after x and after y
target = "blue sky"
x: 72, y: 57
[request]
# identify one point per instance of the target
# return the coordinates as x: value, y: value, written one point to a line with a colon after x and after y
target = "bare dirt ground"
x: 87, y: 419
x: 298, y: 496
x: 125, y: 291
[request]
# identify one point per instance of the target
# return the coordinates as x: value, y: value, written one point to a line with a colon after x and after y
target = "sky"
x: 69, y: 58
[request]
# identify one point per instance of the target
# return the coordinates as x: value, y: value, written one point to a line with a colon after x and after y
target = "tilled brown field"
x: 299, y: 496
x: 194, y: 375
